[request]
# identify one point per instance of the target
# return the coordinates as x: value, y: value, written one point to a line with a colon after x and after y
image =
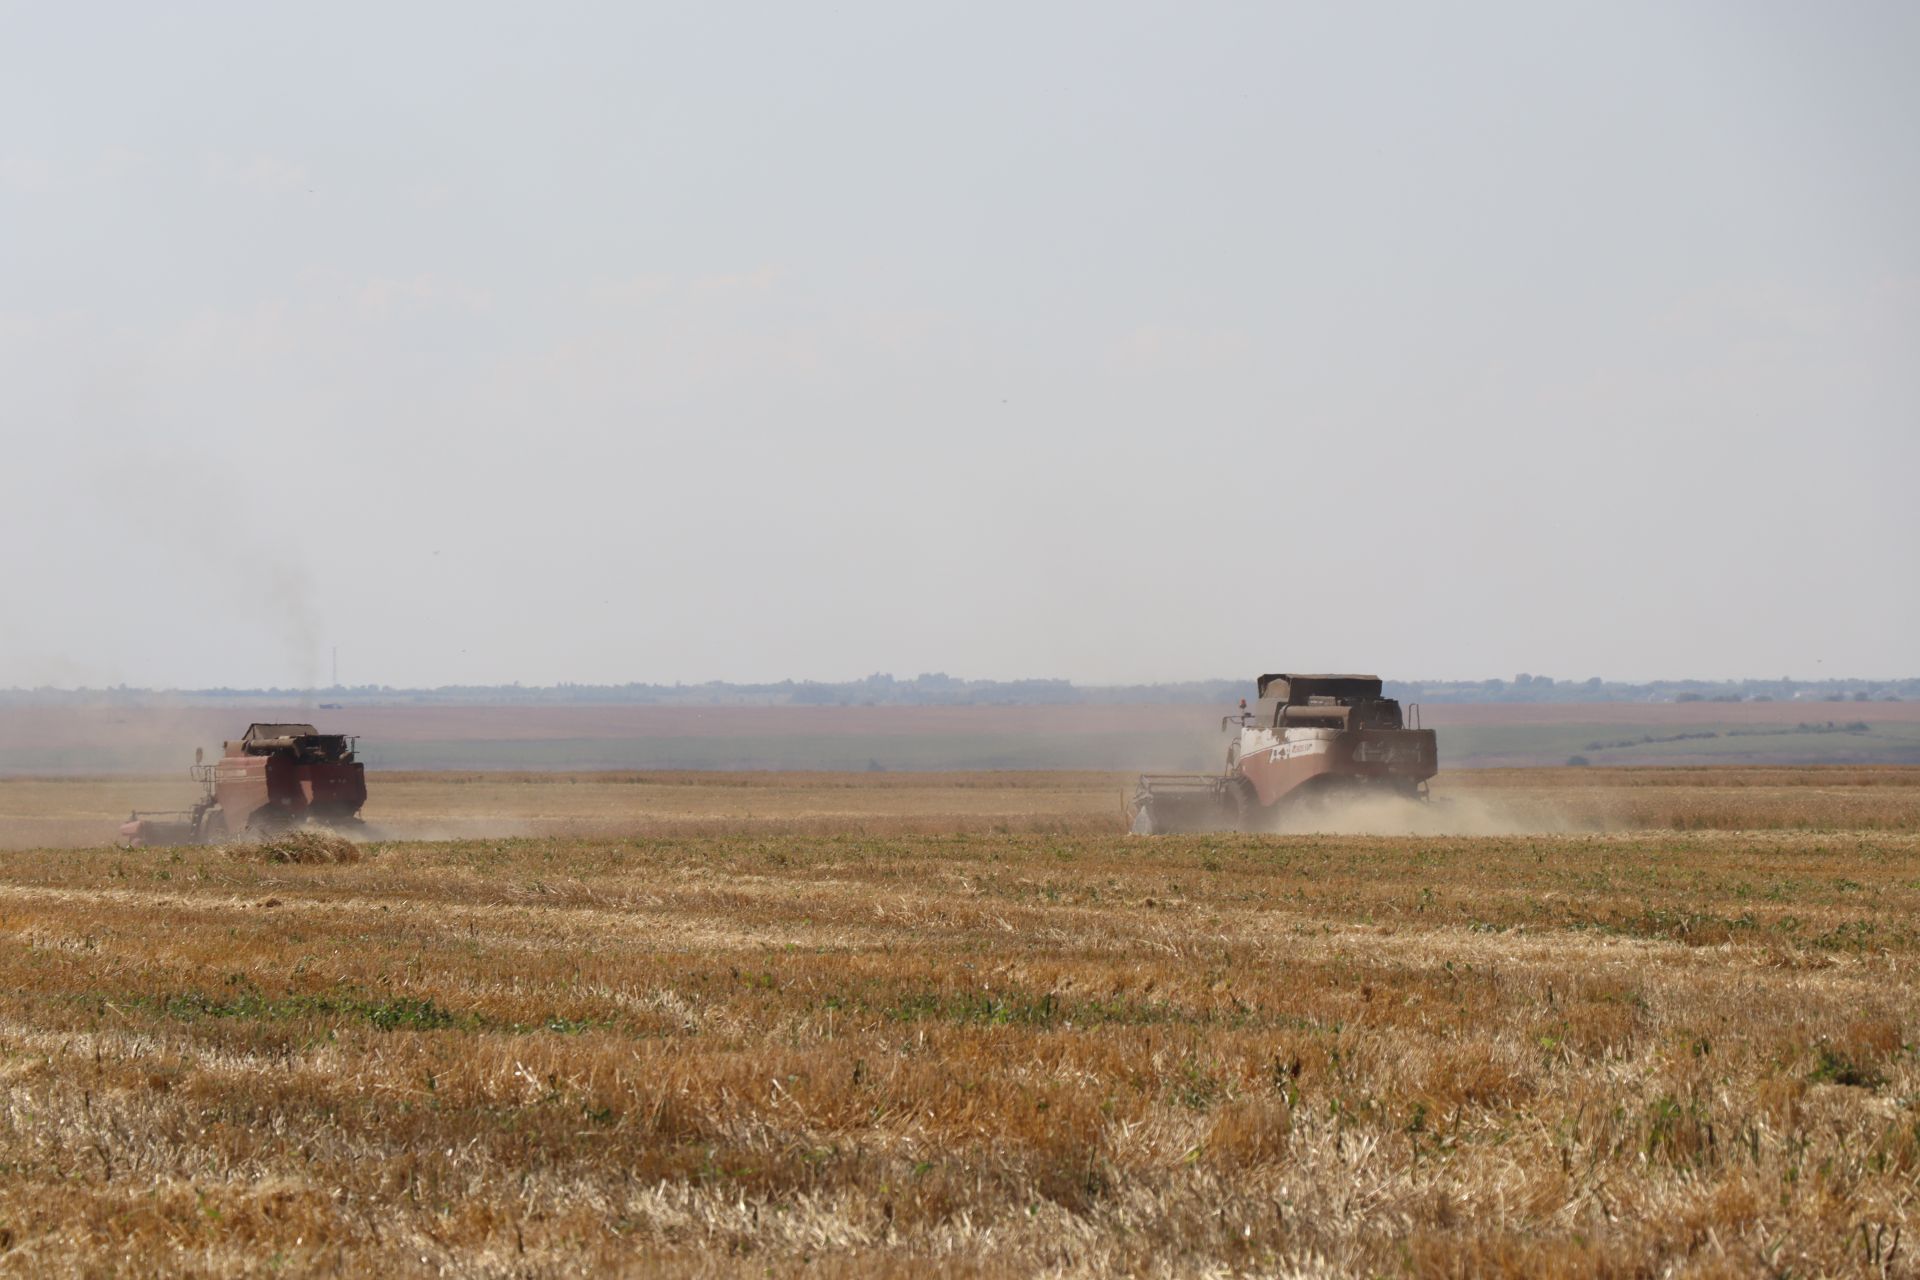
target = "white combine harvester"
x: 1306, y: 737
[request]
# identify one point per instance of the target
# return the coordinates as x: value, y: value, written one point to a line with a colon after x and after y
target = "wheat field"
x: 910, y: 1025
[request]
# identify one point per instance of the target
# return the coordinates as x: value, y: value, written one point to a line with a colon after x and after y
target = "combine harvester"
x: 1306, y: 740
x: 275, y: 777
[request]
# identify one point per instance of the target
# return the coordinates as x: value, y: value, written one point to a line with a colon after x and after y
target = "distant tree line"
x: 938, y: 689
x: 1527, y: 687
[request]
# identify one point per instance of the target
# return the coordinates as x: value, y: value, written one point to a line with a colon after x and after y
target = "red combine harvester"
x: 1306, y: 738
x: 276, y: 776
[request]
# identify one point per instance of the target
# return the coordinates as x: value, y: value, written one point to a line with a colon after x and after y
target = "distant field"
x: 901, y: 1025
x: 1120, y: 738
x: 1839, y: 736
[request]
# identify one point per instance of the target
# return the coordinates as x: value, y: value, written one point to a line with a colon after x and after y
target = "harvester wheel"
x: 1245, y: 802
x: 268, y: 824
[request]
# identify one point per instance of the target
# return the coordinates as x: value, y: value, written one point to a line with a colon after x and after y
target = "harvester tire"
x: 268, y: 824
x: 1244, y: 804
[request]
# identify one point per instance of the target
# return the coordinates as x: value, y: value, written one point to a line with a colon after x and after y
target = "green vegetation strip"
x: 388, y: 1013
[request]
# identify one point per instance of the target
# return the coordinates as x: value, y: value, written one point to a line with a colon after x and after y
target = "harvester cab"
x: 1304, y: 737
x: 272, y: 777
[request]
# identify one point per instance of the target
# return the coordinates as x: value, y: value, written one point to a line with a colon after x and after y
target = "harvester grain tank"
x: 275, y: 776
x: 1306, y: 737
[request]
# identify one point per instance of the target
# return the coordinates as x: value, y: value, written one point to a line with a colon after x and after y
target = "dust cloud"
x: 1364, y: 815
x: 410, y: 830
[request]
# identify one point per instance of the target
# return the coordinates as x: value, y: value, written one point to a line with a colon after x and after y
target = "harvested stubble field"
x: 40, y: 812
x: 766, y: 1047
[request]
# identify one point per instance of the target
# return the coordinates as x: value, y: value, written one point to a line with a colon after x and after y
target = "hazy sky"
x: 1108, y: 341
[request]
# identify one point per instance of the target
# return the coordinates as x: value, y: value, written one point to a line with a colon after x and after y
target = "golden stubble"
x: 1669, y: 1052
